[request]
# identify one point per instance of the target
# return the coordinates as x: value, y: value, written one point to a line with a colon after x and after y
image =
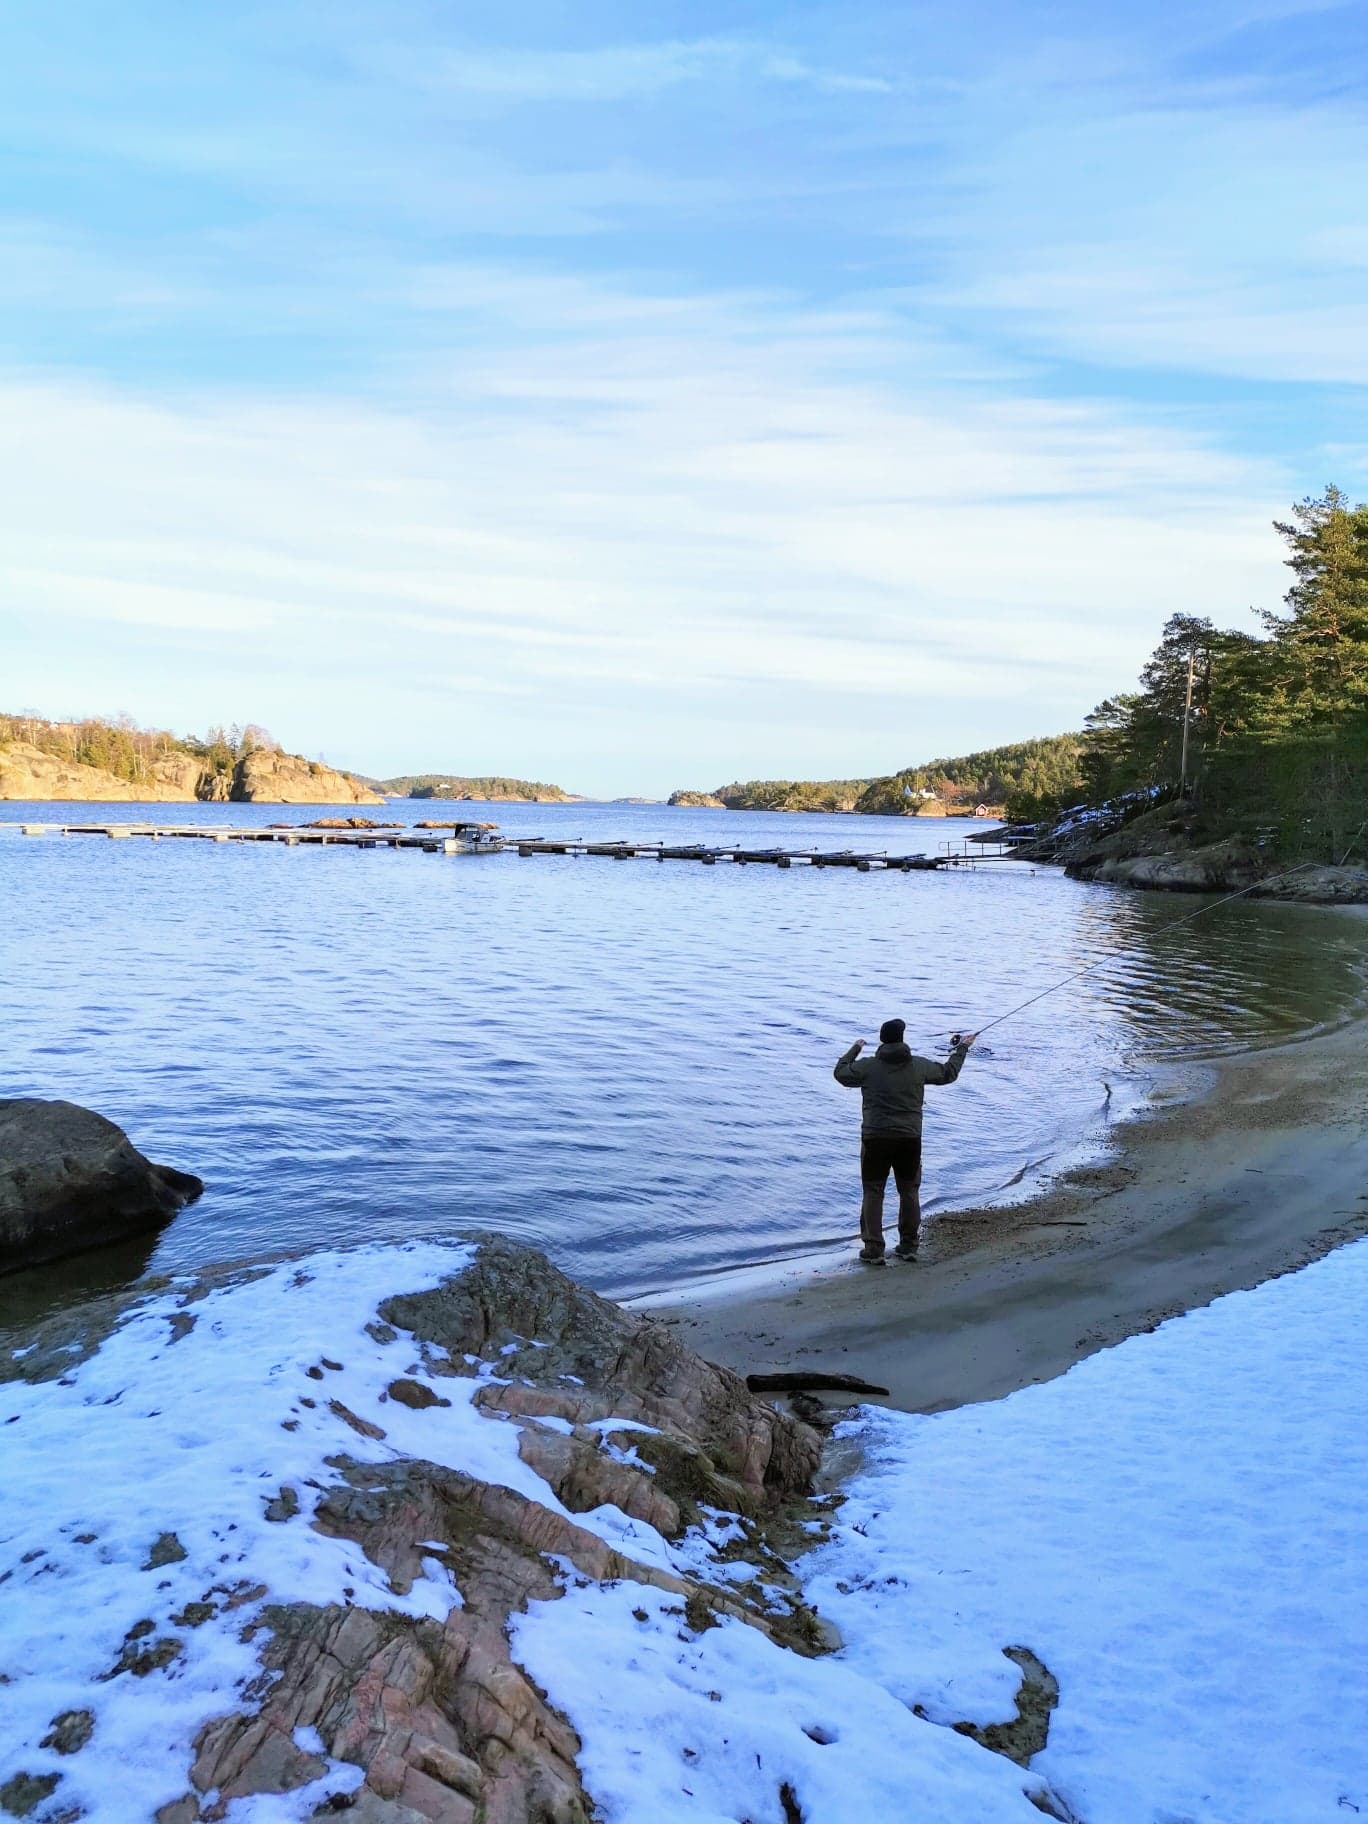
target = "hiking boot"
x: 871, y: 1260
x: 904, y: 1252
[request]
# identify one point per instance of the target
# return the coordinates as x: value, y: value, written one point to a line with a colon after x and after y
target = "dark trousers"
x: 881, y: 1154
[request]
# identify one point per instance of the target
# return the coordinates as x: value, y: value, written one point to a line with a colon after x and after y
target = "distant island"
x: 488, y: 788
x: 1024, y: 779
x: 116, y: 762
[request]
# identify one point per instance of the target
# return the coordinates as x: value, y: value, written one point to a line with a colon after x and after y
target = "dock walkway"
x: 434, y: 842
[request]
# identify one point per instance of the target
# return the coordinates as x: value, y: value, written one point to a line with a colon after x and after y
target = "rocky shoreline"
x: 1168, y: 849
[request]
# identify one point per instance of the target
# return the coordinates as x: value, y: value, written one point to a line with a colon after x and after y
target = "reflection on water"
x: 1243, y: 974
x: 628, y: 1064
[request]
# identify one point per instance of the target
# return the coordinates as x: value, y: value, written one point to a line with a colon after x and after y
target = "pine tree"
x: 1320, y: 670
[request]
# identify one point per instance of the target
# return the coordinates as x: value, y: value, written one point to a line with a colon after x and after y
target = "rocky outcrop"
x: 29, y: 773
x: 1218, y: 869
x: 631, y: 1367
x: 71, y: 1181
x: 446, y: 1725
x: 436, y: 1715
x: 1170, y: 847
x: 1318, y: 885
x: 261, y: 777
x: 348, y: 823
x: 267, y: 777
x: 1160, y: 852
x: 697, y: 801
x: 1215, y: 867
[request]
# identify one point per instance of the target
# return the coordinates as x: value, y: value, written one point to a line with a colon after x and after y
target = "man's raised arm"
x: 847, y: 1071
x: 947, y: 1072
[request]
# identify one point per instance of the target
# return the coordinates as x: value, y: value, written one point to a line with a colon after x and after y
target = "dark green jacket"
x: 893, y: 1083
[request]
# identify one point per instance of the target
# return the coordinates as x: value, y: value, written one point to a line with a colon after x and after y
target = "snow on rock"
x: 146, y: 1485
x: 1177, y: 1528
x: 259, y: 1542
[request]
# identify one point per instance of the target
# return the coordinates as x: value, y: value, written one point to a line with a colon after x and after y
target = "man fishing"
x: 892, y: 1084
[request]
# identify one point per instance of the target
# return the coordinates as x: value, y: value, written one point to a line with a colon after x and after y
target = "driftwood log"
x: 808, y: 1380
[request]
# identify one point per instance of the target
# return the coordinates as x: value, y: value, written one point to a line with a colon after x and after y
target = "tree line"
x: 1026, y: 779
x: 1262, y: 734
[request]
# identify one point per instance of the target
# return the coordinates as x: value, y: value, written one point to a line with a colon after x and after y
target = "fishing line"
x: 1163, y: 930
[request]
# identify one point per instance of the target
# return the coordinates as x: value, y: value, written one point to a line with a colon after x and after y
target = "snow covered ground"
x: 1176, y: 1528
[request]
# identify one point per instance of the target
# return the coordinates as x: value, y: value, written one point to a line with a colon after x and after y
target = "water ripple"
x: 627, y: 1064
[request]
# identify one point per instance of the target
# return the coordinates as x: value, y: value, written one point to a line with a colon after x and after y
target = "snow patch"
x: 111, y: 1527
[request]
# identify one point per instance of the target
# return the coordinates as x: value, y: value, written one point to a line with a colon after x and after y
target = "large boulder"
x: 71, y: 1181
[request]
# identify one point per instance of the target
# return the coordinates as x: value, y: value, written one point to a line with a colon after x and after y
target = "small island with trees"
x: 485, y: 788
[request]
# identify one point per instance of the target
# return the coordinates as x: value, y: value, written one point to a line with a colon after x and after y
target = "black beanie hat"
x: 891, y: 1032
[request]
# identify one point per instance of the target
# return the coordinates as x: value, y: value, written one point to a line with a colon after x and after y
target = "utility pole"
x: 1187, y: 720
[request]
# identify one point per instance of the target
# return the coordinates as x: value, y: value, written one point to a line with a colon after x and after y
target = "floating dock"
x: 473, y: 837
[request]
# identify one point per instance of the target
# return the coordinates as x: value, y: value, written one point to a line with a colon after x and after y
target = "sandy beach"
x: 1262, y: 1169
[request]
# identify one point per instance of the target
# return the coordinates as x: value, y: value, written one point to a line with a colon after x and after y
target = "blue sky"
x: 646, y: 396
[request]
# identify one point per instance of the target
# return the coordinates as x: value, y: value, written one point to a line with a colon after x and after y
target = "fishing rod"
x: 1163, y: 930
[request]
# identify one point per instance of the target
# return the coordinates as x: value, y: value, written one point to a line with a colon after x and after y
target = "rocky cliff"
x: 28, y: 773
x: 261, y: 777
x: 268, y: 777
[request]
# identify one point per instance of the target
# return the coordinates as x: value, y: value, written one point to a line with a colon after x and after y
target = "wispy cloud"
x: 1197, y: 236
x: 619, y: 72
x: 677, y: 500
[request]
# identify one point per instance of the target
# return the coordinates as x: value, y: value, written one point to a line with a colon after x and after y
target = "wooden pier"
x: 434, y: 840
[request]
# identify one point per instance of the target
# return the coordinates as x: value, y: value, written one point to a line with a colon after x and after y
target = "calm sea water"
x: 628, y: 1064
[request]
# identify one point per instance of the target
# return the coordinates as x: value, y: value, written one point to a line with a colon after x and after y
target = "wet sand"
x: 1260, y: 1170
